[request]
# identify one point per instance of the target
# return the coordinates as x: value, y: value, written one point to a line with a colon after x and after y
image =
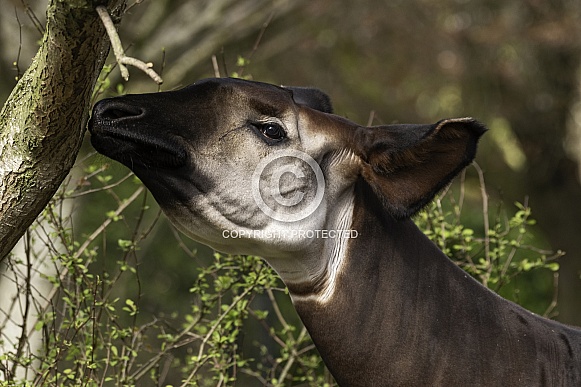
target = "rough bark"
x: 43, y: 120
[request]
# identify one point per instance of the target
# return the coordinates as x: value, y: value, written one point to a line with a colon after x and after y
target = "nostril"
x: 112, y: 110
x: 115, y: 113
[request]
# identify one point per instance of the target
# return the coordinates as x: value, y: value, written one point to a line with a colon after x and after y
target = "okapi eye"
x: 273, y: 131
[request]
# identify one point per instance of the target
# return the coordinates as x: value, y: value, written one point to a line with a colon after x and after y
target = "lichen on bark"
x: 43, y: 121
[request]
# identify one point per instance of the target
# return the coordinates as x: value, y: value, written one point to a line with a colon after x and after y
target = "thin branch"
x: 484, y: 195
x: 104, y: 188
x: 120, y: 56
x: 136, y: 2
x: 462, y: 194
x: 23, y: 340
x: 291, y: 359
x: 86, y: 244
x: 162, y: 66
x: 513, y: 251
x: 216, y: 67
x: 18, y: 74
x: 371, y: 118
x: 551, y: 308
x: 37, y: 24
x: 258, y: 40
x: 217, y: 323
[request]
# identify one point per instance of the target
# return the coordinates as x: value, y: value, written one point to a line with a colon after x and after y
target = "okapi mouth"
x: 135, y: 150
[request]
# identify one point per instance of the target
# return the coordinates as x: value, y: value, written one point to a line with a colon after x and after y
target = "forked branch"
x: 120, y: 56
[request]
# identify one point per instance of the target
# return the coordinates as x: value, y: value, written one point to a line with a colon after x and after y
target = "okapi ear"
x: 407, y: 165
x: 311, y: 97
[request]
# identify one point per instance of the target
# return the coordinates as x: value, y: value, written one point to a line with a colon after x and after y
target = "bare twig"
x: 371, y: 118
x: 484, y: 195
x: 37, y: 24
x: 106, y: 187
x: 136, y: 2
x: 23, y: 340
x: 258, y: 40
x: 162, y: 67
x: 551, y: 308
x: 120, y: 56
x: 18, y: 74
x: 216, y: 67
x: 460, y: 203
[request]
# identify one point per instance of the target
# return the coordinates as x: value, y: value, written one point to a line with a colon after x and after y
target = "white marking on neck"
x: 334, y: 254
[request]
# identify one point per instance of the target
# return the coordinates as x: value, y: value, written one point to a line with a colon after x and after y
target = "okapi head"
x: 201, y: 151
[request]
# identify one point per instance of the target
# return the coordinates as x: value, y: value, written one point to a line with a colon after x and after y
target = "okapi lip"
x: 133, y: 150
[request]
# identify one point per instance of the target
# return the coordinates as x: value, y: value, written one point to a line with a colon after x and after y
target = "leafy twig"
x: 86, y: 244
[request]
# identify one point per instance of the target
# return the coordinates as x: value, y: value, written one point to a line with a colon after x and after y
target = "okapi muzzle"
x: 252, y: 168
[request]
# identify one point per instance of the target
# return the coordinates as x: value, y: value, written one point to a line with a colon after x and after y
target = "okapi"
x: 383, y: 305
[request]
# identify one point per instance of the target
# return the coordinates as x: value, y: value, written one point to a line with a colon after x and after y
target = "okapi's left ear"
x: 311, y: 97
x: 407, y: 165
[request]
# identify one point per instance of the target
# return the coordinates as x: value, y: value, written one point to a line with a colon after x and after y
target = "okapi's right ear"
x: 311, y: 97
x: 407, y: 165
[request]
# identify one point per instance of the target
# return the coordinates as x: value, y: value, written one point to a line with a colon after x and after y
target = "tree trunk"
x: 553, y: 177
x: 543, y: 107
x: 43, y: 121
x: 534, y: 87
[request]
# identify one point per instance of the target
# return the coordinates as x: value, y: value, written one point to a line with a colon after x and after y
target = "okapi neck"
x: 404, y: 314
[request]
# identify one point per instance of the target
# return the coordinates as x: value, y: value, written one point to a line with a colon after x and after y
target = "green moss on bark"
x: 43, y: 121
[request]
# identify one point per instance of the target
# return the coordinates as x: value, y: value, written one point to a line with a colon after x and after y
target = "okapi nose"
x: 113, y: 110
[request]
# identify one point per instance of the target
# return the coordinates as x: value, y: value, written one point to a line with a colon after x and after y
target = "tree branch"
x: 43, y: 122
x: 120, y: 56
